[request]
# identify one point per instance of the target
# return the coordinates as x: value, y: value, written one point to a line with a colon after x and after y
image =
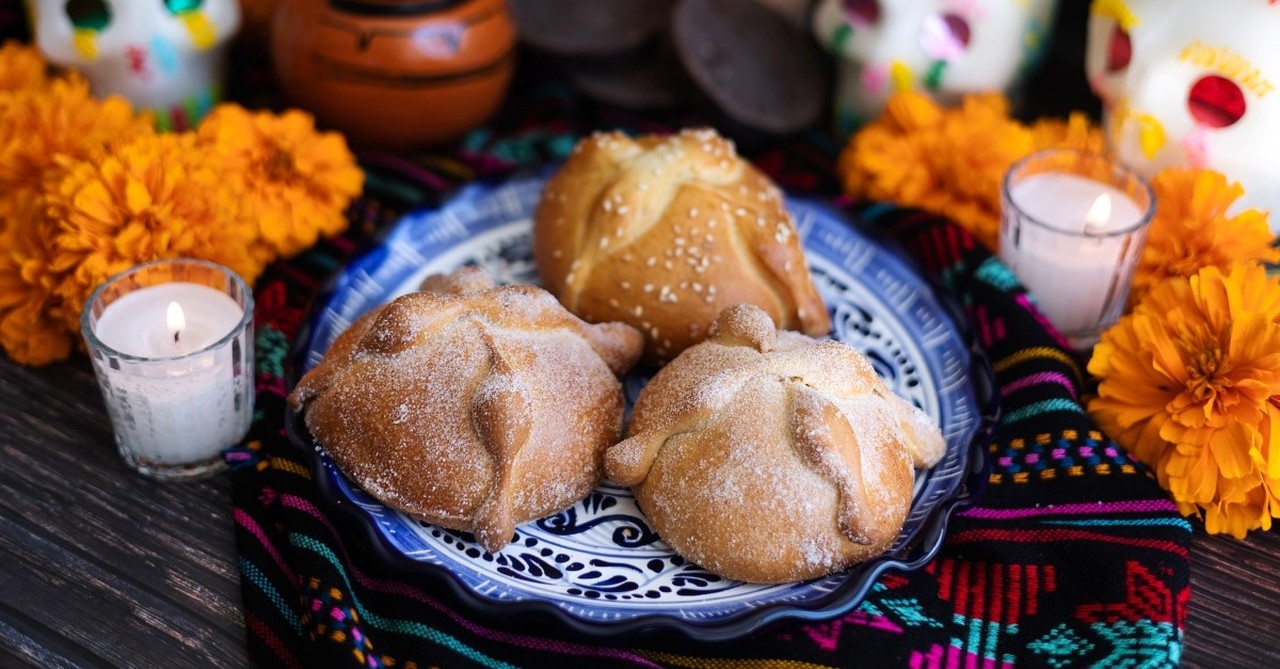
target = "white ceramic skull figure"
x: 1189, y: 83
x: 164, y: 55
x: 944, y: 47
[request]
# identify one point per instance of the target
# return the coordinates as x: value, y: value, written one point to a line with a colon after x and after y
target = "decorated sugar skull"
x: 944, y: 47
x: 1190, y: 83
x: 164, y: 55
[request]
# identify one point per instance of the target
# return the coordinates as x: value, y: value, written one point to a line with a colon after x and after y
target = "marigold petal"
x: 1269, y: 449
x: 30, y: 336
x: 94, y: 202
x: 1230, y: 449
x: 1193, y: 228
x: 137, y: 198
x: 1219, y: 520
x: 911, y: 110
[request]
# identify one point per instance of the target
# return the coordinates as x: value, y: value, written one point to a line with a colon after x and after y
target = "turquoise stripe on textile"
x: 996, y: 274
x: 1100, y: 522
x: 255, y: 576
x: 1040, y: 408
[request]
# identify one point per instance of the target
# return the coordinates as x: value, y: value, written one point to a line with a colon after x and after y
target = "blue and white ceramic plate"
x: 598, y: 566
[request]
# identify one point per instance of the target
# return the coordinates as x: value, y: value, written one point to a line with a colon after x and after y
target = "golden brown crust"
x: 471, y: 406
x: 768, y: 456
x: 663, y: 233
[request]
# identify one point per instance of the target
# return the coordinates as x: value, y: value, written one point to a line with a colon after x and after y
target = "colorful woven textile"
x: 1073, y: 556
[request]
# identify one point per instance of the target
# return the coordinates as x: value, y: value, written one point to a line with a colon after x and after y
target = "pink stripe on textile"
x: 252, y: 527
x: 1139, y: 506
x: 1042, y: 536
x: 1037, y: 379
x: 1025, y: 302
x: 393, y: 587
x: 255, y: 625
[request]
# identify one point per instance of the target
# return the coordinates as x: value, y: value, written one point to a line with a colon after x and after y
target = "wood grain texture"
x: 102, y: 567
x: 1234, y: 618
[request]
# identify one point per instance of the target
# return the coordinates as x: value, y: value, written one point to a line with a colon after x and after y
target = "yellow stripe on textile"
x: 726, y: 663
x: 291, y: 467
x: 1039, y: 352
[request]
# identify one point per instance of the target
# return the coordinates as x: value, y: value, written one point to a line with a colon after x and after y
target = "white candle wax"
x: 1071, y: 268
x: 138, y: 323
x: 182, y: 409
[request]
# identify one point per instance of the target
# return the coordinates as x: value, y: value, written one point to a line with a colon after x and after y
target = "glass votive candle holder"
x: 172, y: 347
x: 1072, y: 228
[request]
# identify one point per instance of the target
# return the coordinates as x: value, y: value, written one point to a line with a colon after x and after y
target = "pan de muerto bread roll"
x: 664, y: 232
x: 769, y: 456
x: 471, y: 406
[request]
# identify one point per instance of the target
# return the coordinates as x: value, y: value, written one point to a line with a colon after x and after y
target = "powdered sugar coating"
x: 475, y: 410
x: 741, y: 431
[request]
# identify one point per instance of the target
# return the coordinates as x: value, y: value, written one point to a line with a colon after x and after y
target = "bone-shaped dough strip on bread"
x: 501, y: 416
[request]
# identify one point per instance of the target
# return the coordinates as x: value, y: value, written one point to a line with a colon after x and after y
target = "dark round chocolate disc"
x: 759, y: 70
x: 589, y: 27
x: 653, y: 79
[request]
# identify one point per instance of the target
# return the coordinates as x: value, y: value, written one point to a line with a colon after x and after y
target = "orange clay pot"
x: 395, y: 73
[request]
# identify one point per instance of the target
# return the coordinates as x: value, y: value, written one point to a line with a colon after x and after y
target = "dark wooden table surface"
x: 102, y: 567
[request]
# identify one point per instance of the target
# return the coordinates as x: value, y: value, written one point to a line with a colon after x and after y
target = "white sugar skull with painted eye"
x: 944, y: 47
x: 1189, y: 83
x: 164, y: 55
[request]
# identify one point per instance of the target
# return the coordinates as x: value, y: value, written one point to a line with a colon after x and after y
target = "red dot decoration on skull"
x: 1119, y: 50
x: 1216, y: 101
x: 862, y: 13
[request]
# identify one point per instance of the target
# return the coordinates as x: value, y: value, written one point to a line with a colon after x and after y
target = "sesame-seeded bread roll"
x: 471, y: 406
x: 663, y: 233
x: 771, y: 457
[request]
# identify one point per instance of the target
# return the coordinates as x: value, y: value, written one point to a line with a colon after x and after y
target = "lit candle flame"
x: 176, y: 320
x: 1099, y: 214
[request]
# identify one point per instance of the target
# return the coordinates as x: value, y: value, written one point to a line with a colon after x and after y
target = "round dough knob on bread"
x: 471, y: 406
x: 663, y: 232
x: 768, y: 456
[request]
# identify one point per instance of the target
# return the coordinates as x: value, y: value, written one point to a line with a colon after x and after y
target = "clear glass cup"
x: 178, y: 387
x: 1072, y: 229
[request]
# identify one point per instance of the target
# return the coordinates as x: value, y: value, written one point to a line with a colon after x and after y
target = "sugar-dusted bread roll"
x: 769, y: 456
x: 471, y: 406
x: 664, y: 232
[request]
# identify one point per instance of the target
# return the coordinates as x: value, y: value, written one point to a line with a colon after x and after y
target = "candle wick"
x: 175, y: 320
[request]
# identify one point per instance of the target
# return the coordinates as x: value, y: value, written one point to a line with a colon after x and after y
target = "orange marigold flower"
x: 948, y: 161
x: 297, y: 182
x: 62, y: 119
x: 153, y: 197
x: 1192, y: 229
x: 1076, y: 132
x: 21, y: 67
x: 1190, y: 383
x: 33, y: 328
